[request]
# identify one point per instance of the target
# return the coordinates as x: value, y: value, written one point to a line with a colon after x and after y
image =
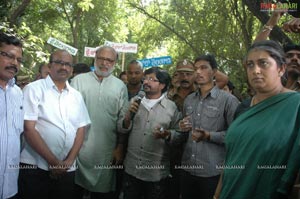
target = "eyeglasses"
x: 105, y: 59
x: 61, y: 63
x: 150, y: 79
x: 11, y: 57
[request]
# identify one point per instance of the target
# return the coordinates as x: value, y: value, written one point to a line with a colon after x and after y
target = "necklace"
x: 255, y: 101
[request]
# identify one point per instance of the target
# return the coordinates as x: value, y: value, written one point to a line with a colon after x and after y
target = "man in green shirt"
x: 106, y: 99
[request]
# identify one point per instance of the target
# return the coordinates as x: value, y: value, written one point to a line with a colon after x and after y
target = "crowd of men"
x: 151, y: 136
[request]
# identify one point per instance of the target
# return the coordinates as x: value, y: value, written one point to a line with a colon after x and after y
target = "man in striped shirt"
x: 11, y: 115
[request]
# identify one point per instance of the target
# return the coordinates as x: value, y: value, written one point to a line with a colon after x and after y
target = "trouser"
x: 194, y: 187
x: 138, y: 189
x: 80, y: 194
x: 37, y: 184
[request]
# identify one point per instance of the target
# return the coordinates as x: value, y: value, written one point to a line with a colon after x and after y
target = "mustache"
x: 294, y: 63
x: 12, y: 67
x: 62, y: 70
x: 184, y: 81
x: 146, y: 85
x: 101, y: 66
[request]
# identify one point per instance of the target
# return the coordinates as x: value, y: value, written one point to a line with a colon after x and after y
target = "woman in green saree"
x: 262, y: 144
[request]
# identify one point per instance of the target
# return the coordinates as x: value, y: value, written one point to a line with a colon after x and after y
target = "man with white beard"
x: 106, y: 99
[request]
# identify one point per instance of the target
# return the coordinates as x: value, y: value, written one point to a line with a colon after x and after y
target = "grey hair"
x: 100, y: 48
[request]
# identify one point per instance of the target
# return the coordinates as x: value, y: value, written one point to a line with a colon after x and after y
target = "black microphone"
x: 138, y: 99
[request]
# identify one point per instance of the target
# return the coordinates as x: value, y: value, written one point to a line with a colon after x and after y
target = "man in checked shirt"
x: 207, y: 114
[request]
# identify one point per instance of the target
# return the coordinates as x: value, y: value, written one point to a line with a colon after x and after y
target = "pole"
x: 123, y: 61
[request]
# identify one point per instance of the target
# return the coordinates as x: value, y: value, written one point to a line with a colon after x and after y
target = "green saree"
x: 263, y: 149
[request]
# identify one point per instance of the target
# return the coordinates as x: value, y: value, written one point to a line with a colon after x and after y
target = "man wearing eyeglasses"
x: 147, y: 163
x: 11, y: 115
x: 107, y: 100
x: 54, y: 129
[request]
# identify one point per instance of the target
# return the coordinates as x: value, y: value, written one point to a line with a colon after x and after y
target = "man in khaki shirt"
x: 147, y: 163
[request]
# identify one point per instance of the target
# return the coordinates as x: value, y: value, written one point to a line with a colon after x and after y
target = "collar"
x: 162, y: 100
x: 11, y: 82
x: 214, y: 92
x: 51, y: 84
x: 93, y: 73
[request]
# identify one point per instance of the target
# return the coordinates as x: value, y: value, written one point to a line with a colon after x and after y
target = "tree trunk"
x: 18, y: 12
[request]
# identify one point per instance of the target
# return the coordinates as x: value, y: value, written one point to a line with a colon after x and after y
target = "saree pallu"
x: 263, y: 149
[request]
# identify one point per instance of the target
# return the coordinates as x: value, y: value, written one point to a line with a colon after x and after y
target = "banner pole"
x: 123, y: 61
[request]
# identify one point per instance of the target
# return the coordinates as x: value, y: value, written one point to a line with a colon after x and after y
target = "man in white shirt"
x: 54, y: 128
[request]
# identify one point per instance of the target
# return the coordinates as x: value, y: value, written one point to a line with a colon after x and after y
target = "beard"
x: 103, y: 73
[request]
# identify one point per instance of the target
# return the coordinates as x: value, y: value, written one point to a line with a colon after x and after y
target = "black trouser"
x: 194, y: 187
x: 37, y: 184
x: 94, y: 195
x: 138, y: 189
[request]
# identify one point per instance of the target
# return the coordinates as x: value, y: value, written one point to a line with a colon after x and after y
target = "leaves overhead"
x: 178, y: 28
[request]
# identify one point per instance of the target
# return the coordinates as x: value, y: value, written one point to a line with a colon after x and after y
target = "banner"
x: 123, y: 47
x: 89, y: 51
x: 156, y: 61
x: 61, y: 45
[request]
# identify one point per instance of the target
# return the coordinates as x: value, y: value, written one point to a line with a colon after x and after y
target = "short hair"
x: 9, y: 40
x: 121, y: 74
x: 273, y: 48
x: 99, y: 49
x: 209, y: 58
x: 41, y: 66
x: 81, y: 68
x: 52, y: 54
x: 162, y: 76
x: 289, y: 47
x: 140, y: 64
x: 230, y: 85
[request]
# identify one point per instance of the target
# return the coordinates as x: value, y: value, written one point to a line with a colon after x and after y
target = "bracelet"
x: 267, y: 28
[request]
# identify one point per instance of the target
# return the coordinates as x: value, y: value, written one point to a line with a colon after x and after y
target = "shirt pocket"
x: 212, y: 112
x: 211, y: 118
x: 18, y: 119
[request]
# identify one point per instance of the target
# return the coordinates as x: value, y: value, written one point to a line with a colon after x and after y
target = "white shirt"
x: 58, y: 115
x: 11, y: 126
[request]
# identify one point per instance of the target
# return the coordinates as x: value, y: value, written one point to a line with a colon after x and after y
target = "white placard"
x: 123, y: 47
x: 62, y: 45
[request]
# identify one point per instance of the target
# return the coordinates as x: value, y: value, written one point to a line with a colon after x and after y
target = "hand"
x: 185, y: 125
x: 118, y: 155
x: 161, y: 133
x: 279, y: 11
x: 292, y: 26
x: 57, y: 171
x: 134, y: 106
x: 68, y: 163
x: 200, y: 134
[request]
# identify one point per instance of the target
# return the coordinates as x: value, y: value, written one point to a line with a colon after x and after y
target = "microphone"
x: 138, y: 100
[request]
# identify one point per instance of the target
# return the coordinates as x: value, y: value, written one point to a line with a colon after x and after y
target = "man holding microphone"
x: 147, y: 163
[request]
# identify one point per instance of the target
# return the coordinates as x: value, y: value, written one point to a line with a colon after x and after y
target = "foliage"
x: 179, y: 28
